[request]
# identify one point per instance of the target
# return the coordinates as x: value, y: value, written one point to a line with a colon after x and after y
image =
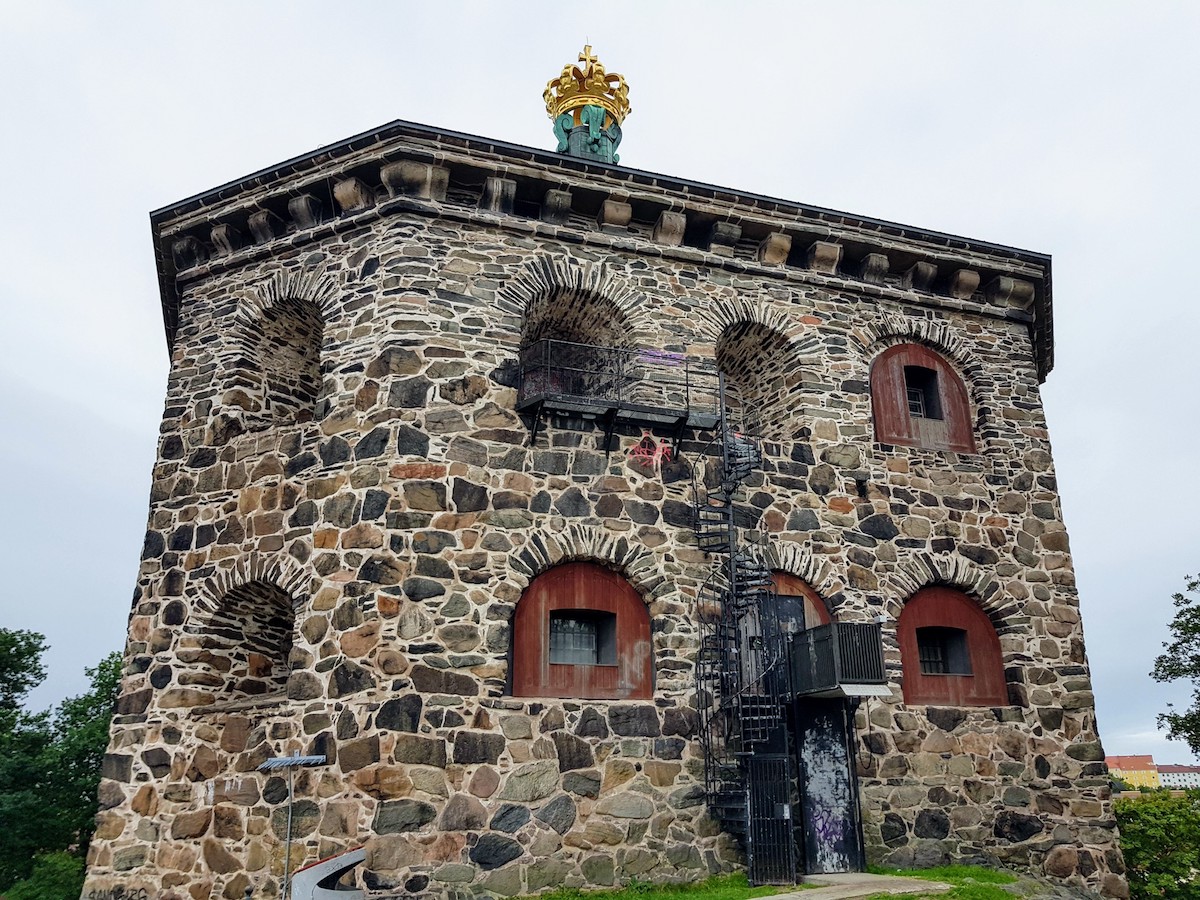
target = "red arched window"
x: 581, y: 631
x: 950, y: 651
x: 800, y: 607
x: 918, y: 400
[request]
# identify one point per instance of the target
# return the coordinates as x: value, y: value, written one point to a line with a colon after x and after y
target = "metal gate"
x: 771, y: 850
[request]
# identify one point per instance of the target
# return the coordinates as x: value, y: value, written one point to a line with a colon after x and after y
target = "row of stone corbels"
x: 427, y: 181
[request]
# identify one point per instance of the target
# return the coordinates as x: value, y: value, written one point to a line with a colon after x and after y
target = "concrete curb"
x: 861, y: 884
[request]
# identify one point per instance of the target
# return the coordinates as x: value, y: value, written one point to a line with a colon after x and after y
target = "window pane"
x: 573, y: 640
x: 932, y: 651
x: 943, y: 651
x: 916, y: 402
x: 921, y: 388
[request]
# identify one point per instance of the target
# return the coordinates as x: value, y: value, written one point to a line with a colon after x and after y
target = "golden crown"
x: 587, y: 86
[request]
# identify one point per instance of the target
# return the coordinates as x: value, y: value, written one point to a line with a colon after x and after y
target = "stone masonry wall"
x: 404, y: 520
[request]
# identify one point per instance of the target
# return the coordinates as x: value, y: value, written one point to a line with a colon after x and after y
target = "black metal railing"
x: 651, y: 385
x: 742, y: 676
x: 829, y: 656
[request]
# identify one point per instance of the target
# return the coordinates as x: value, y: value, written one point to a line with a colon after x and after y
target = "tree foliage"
x: 21, y: 667
x: 55, y: 876
x: 49, y: 763
x: 1182, y: 661
x: 1160, y: 839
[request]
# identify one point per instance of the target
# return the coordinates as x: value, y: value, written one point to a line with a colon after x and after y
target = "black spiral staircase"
x: 742, y: 673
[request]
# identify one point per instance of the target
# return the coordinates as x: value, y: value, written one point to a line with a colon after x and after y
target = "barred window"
x: 950, y: 651
x: 943, y: 651
x: 583, y: 637
x: 580, y: 630
x: 921, y: 386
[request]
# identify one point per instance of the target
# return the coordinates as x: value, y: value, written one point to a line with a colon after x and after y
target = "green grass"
x: 720, y: 887
x: 968, y: 882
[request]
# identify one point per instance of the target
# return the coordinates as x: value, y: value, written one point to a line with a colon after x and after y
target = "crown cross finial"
x: 588, y: 105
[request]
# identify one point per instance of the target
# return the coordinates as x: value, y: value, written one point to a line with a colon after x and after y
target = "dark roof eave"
x: 400, y: 127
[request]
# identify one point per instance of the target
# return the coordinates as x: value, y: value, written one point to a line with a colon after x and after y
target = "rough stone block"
x: 265, y: 226
x: 305, y: 211
x: 920, y: 276
x: 669, y: 229
x: 1011, y: 292
x: 774, y: 249
x: 353, y: 194
x: 723, y: 238
x: 398, y: 816
x: 556, y: 207
x: 415, y: 179
x: 190, y: 824
x: 626, y: 805
x: 874, y: 267
x: 964, y: 283
x: 225, y: 239
x: 187, y: 252
x: 531, y: 782
x: 615, y: 213
x: 824, y: 256
x: 494, y: 850
x: 634, y: 720
x: 498, y: 195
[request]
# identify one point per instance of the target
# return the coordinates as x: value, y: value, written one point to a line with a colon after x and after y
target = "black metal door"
x: 830, y: 816
x: 771, y: 849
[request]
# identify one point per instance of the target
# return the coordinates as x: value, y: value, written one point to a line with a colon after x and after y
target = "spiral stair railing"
x: 741, y: 670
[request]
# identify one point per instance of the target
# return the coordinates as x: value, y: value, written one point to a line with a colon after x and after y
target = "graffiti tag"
x: 649, y: 450
x: 118, y: 893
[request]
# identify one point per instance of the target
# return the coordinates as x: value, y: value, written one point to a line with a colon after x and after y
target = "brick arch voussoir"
x: 277, y: 570
x: 581, y: 543
x: 888, y: 329
x: 929, y: 570
x: 314, y: 286
x: 713, y: 320
x: 819, y: 574
x: 533, y: 291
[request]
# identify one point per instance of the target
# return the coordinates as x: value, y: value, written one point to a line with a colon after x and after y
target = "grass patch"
x: 719, y: 887
x: 968, y: 882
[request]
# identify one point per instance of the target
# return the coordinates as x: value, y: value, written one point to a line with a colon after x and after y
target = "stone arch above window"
x: 286, y: 343
x: 274, y: 375
x: 560, y: 298
x: 949, y: 651
x: 581, y: 631
x: 919, y: 400
x: 245, y: 643
x: 761, y: 372
x: 800, y: 607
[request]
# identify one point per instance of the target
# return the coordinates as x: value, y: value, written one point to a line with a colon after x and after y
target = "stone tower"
x: 551, y: 502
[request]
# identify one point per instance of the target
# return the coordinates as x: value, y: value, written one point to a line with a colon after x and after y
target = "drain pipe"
x: 291, y: 763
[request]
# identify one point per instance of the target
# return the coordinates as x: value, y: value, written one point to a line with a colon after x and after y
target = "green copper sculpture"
x: 587, y: 106
x: 590, y: 140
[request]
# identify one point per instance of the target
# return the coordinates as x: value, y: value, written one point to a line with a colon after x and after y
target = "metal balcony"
x: 610, y: 385
x: 842, y: 659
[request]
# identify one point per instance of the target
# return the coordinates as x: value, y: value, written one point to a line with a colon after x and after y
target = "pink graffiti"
x: 649, y: 450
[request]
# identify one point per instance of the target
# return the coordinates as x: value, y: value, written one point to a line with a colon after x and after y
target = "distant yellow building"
x: 1139, y: 771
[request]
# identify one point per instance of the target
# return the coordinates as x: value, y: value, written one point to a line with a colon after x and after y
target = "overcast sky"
x: 1067, y: 128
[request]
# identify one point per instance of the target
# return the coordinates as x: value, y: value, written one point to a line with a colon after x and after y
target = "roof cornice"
x: 440, y: 170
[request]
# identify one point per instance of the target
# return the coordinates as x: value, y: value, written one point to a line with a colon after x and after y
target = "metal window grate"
x: 933, y: 655
x: 943, y: 651
x: 921, y: 389
x: 574, y: 641
x: 916, y: 402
